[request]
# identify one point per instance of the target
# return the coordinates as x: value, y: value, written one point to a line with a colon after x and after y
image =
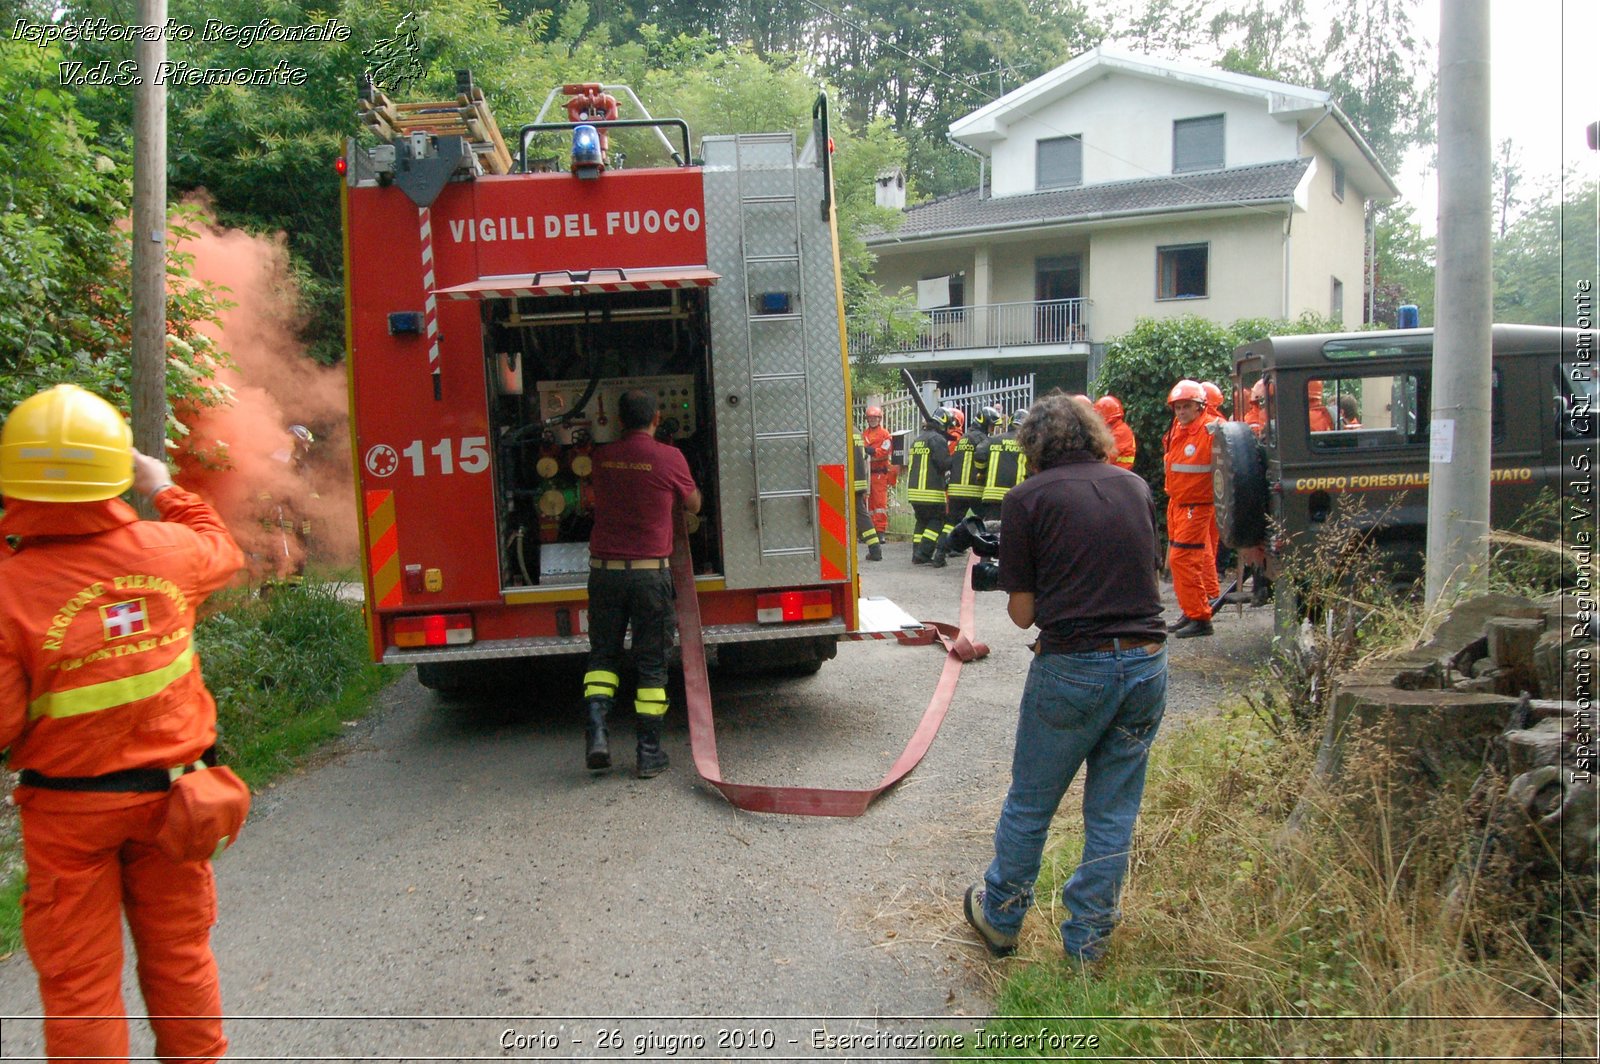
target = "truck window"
x: 1362, y: 412
x: 1575, y: 396
x: 1389, y: 410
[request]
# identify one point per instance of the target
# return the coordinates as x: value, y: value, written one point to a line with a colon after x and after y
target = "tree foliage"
x: 1405, y: 266
x: 925, y: 64
x: 1545, y: 252
x: 65, y: 251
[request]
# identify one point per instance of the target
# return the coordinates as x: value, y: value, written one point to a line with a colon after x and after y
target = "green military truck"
x: 1346, y: 416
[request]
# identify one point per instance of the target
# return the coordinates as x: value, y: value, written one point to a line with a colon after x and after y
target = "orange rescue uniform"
x: 98, y: 674
x: 1256, y: 418
x: 880, y: 443
x: 1127, y: 445
x: 1213, y: 533
x: 1189, y: 517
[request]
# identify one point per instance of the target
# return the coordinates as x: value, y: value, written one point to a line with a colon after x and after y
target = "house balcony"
x: 991, y: 332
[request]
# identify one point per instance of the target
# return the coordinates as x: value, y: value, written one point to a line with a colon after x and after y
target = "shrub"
x: 286, y: 670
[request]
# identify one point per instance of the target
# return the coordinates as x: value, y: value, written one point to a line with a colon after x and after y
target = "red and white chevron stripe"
x: 430, y: 302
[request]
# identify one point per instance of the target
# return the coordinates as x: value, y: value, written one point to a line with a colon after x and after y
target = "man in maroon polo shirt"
x: 637, y: 483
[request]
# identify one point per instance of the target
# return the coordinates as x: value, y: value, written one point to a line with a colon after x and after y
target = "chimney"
x: 891, y: 191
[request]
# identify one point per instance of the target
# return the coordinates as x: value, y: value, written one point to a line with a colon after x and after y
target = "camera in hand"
x: 972, y: 534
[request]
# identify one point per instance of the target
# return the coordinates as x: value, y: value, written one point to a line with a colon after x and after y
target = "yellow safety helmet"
x: 65, y: 445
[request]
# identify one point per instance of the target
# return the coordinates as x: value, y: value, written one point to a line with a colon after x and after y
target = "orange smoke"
x: 242, y: 456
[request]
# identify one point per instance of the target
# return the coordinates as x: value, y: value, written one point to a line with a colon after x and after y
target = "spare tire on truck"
x: 1238, y: 484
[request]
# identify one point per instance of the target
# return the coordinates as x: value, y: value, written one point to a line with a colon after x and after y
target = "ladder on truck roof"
x: 776, y: 339
x: 467, y: 116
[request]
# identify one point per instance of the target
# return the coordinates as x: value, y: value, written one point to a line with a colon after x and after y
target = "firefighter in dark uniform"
x: 927, y: 475
x: 638, y: 481
x: 968, y: 470
x: 867, y: 532
x: 1007, y: 466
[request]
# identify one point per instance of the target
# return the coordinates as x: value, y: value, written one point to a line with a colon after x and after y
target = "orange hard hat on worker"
x: 1110, y: 408
x: 874, y: 411
x: 1187, y: 390
x: 1213, y: 402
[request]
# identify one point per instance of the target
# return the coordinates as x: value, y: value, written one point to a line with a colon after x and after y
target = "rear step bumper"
x: 551, y: 646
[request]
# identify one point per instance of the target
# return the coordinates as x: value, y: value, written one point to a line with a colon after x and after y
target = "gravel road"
x: 450, y: 884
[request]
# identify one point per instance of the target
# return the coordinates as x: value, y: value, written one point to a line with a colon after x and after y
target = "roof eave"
x: 987, y: 124
x: 896, y: 240
x: 1371, y: 174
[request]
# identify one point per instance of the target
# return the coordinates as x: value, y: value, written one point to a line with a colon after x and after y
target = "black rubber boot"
x: 652, y: 759
x: 938, y: 559
x: 921, y: 550
x: 874, y: 552
x: 597, y: 749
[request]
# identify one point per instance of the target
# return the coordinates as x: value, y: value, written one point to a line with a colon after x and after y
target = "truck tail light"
x: 433, y: 630
x: 783, y: 607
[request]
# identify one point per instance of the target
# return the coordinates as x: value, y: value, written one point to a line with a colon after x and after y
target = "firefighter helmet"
x: 1110, y: 407
x: 944, y: 419
x: 65, y: 445
x: 875, y: 411
x: 1187, y: 389
x: 302, y: 434
x: 1213, y: 397
x: 989, y: 417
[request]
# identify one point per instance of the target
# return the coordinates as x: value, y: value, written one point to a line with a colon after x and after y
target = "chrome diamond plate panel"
x: 777, y: 370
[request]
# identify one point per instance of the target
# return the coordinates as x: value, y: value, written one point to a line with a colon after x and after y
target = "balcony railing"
x: 1046, y: 321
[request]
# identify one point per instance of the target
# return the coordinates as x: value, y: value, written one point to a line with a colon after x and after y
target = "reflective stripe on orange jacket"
x: 1188, y: 464
x: 1127, y: 446
x: 98, y: 670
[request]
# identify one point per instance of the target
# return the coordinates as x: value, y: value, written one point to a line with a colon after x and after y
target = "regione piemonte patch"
x: 122, y: 619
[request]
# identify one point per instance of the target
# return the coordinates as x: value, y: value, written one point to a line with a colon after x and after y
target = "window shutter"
x: 1197, y: 144
x: 1059, y: 162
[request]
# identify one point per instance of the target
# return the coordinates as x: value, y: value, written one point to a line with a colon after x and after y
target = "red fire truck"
x: 496, y: 308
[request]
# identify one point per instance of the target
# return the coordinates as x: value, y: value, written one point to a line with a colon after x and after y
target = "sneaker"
x: 998, y: 943
x: 1193, y: 629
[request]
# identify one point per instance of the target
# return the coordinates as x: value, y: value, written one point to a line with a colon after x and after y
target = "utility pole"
x: 1458, y: 488
x: 148, y: 388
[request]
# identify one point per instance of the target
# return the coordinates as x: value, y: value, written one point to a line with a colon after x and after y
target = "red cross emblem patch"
x: 122, y: 619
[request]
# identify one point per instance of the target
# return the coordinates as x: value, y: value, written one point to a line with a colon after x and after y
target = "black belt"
x: 1185, y: 546
x: 122, y: 781
x: 1123, y: 643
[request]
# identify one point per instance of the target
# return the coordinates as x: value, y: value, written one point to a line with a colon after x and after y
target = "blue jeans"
x: 1102, y: 708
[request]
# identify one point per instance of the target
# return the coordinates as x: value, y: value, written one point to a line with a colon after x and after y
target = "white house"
x: 1122, y: 186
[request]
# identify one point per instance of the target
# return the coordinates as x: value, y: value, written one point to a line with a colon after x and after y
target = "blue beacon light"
x: 587, y: 161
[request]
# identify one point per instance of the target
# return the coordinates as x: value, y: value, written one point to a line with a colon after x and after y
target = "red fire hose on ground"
x: 806, y: 801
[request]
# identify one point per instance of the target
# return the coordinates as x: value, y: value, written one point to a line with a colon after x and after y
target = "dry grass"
x: 1333, y: 942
